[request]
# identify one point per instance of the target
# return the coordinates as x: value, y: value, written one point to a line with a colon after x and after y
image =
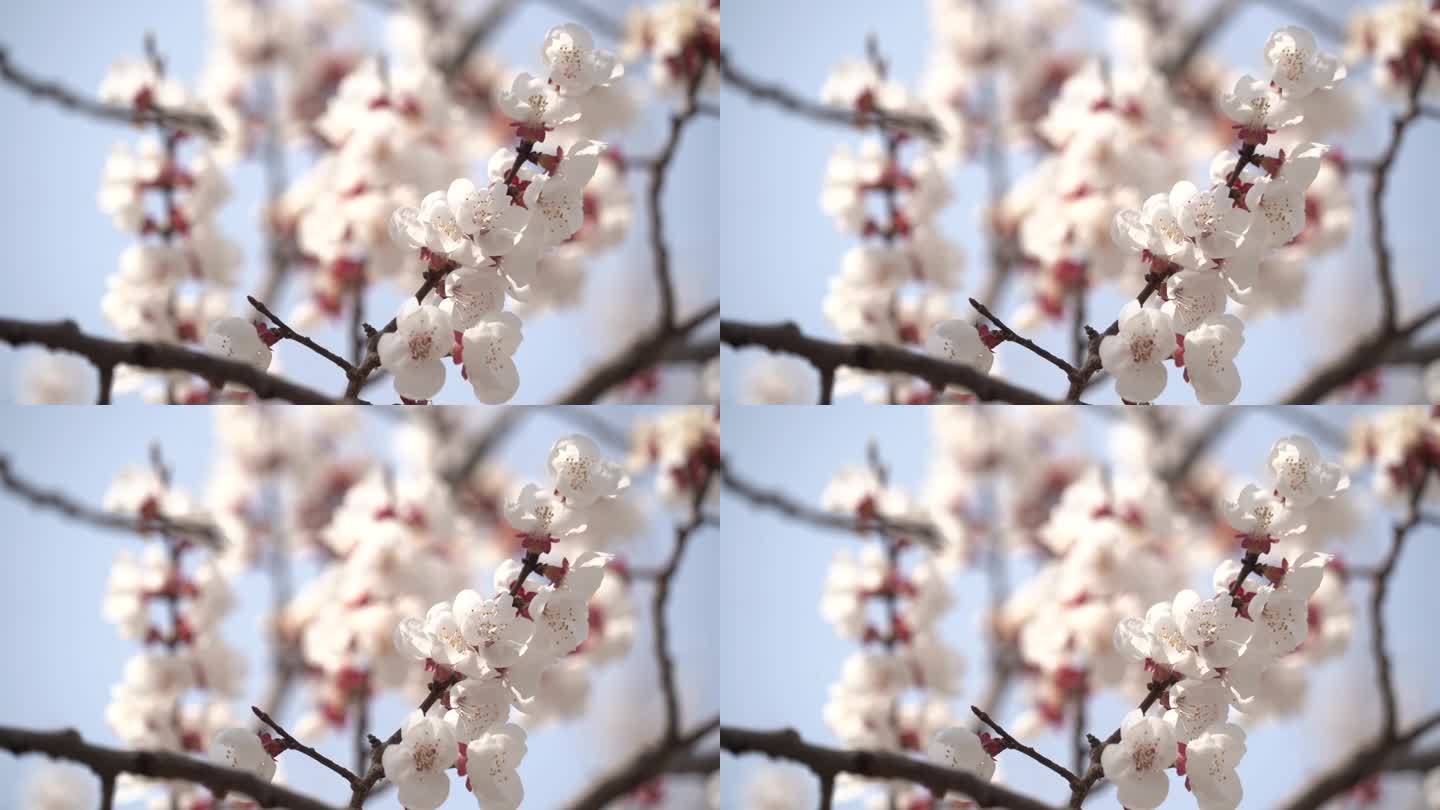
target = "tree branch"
x: 826, y: 763
x: 200, y: 531
x: 108, y: 763
x: 642, y: 353
x: 1381, y: 177
x: 826, y: 356
x: 1390, y: 714
x: 199, y: 122
x: 647, y: 763
x: 107, y: 354
x: 291, y: 334
x: 1366, y: 761
x: 661, y: 627
x: 660, y: 170
x: 1012, y: 336
x: 1087, y: 783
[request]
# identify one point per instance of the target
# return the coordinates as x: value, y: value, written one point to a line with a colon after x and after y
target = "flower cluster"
x: 1207, y: 653
x: 171, y: 285
x: 485, y: 241
x: 893, y: 694
x: 495, y: 647
x: 174, y: 694
x: 1209, y: 245
x: 1401, y: 38
x: 893, y: 287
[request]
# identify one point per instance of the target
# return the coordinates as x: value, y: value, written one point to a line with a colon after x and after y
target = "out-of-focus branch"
x: 827, y: 763
x: 1198, y: 35
x: 199, y: 122
x: 200, y: 531
x: 660, y: 624
x: 826, y: 356
x: 1365, y: 355
x: 594, y: 18
x: 1365, y: 762
x: 793, y: 102
x: 1198, y: 442
x: 475, y: 34
x: 1313, y: 18
x: 109, y: 763
x: 658, y: 173
x: 106, y: 354
x: 1380, y: 180
x: 924, y: 533
x: 1389, y: 718
x: 646, y: 764
x: 641, y: 353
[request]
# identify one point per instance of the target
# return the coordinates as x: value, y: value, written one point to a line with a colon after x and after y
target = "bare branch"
x: 661, y: 627
x: 108, y: 763
x: 646, y: 764
x: 826, y: 763
x: 200, y: 531
x: 642, y: 353
x: 199, y: 122
x: 1366, y: 761
x: 1390, y: 715
x: 107, y: 354
x: 1381, y: 178
x: 826, y: 356
x: 1366, y: 354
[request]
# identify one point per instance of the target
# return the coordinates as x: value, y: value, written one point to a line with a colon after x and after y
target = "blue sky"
x: 778, y: 656
x: 66, y: 657
x: 62, y: 247
x: 785, y: 248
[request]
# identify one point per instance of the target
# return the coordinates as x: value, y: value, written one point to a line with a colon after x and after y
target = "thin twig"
x: 1390, y: 713
x: 293, y: 744
x: 924, y: 533
x: 1381, y: 178
x: 291, y: 334
x: 658, y: 174
x: 1014, y: 337
x: 660, y: 625
x: 646, y: 764
x: 1010, y: 742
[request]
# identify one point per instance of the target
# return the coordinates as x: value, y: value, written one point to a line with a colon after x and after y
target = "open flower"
x: 1194, y: 296
x: 1196, y: 706
x: 490, y: 765
x: 1299, y: 66
x: 961, y: 749
x: 474, y: 292
x: 493, y: 626
x: 417, y: 763
x: 1278, y: 209
x: 489, y: 348
x: 241, y: 748
x: 576, y: 65
x: 557, y: 207
x: 488, y: 215
x: 414, y: 352
x: 1301, y: 476
x: 1210, y: 350
x: 582, y: 475
x: 536, y: 106
x: 1260, y: 514
x: 957, y: 341
x: 1258, y: 109
x: 1137, y: 763
x: 1210, y: 762
x: 1209, y: 217
x: 476, y: 706
x: 1211, y: 627
x: 1135, y: 357
x: 236, y: 339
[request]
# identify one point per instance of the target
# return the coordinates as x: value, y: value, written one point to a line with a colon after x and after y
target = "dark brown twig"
x: 923, y: 533
x: 646, y: 764
x: 109, y: 763
x: 829, y: 762
x: 293, y: 744
x: 291, y: 334
x: 1014, y: 337
x: 104, y: 353
x: 1010, y: 742
x: 826, y: 356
